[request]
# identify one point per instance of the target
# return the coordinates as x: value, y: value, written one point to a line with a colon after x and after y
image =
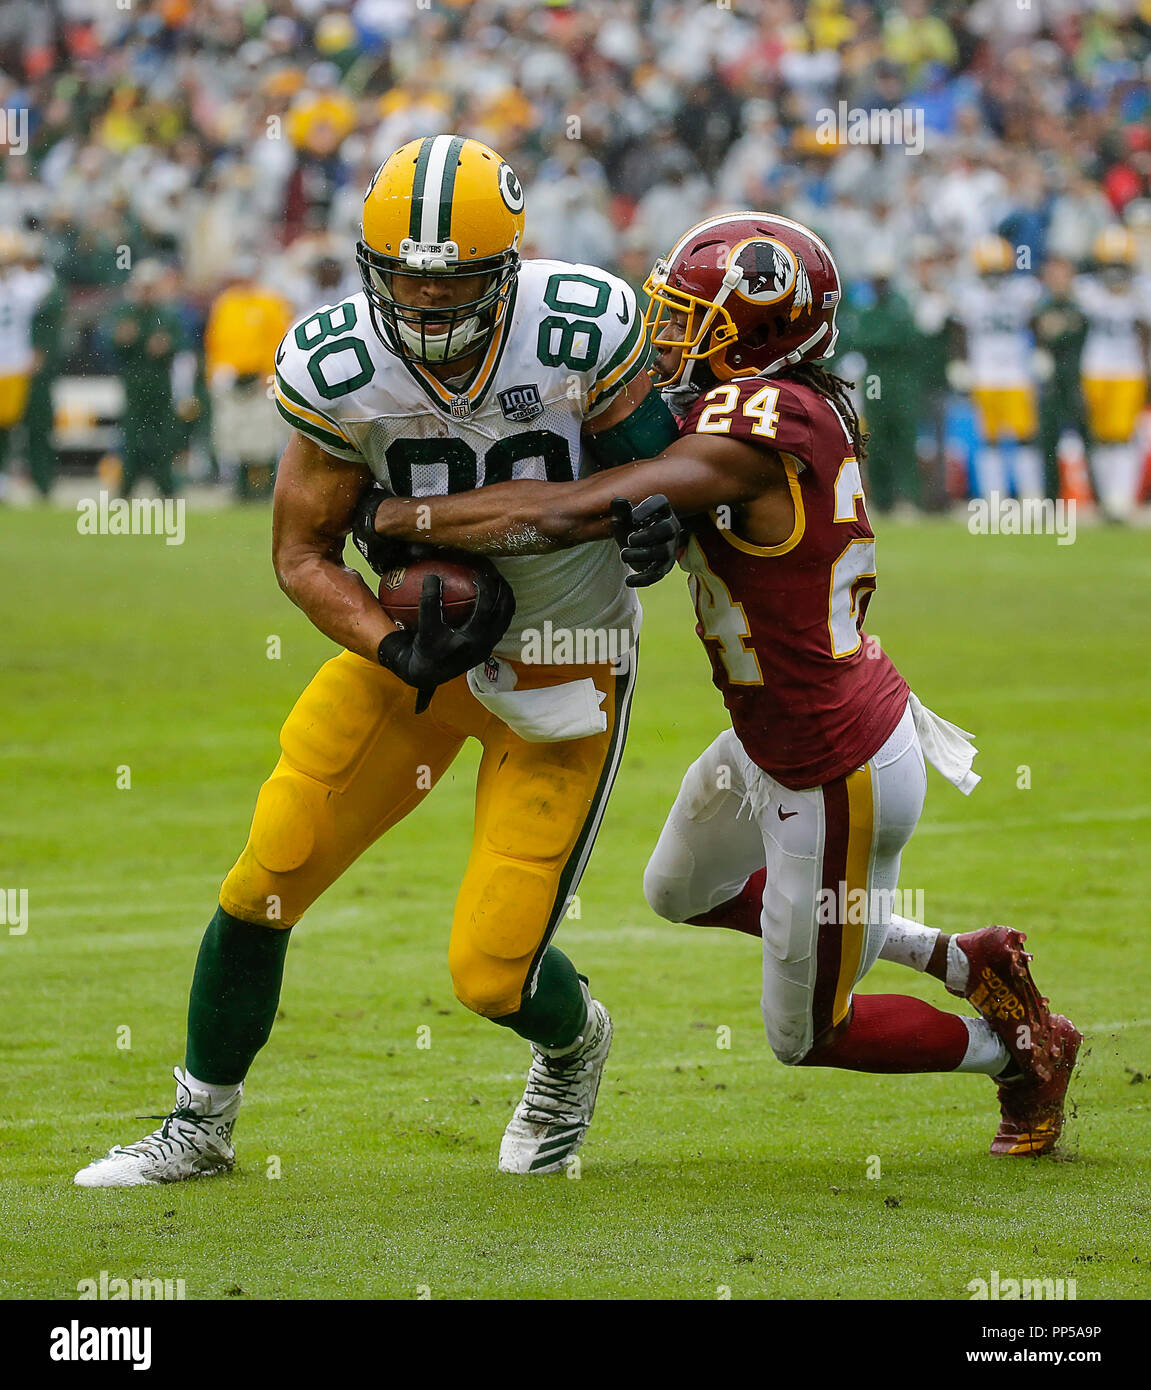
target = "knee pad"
x: 269, y: 883
x: 789, y: 1039
x: 502, y: 916
x: 666, y: 896
x: 488, y: 985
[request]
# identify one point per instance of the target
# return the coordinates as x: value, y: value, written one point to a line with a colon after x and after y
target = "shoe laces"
x: 164, y: 1141
x: 555, y: 1081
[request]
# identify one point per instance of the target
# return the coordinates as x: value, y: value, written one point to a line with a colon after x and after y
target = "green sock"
x: 235, y: 992
x: 555, y: 1014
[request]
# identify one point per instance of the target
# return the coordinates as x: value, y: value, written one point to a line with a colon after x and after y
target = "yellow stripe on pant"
x: 356, y: 759
x: 861, y: 825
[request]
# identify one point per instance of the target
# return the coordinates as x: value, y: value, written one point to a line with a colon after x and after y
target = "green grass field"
x: 706, y: 1169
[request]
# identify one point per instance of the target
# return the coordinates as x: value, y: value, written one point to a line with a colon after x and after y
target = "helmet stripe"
x: 447, y: 187
x: 418, y: 185
x: 433, y: 188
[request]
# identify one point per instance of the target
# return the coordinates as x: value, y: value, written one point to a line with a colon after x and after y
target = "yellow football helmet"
x: 993, y: 255
x: 441, y: 205
x: 1115, y: 246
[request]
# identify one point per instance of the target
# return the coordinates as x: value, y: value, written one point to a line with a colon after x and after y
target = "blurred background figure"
x: 1058, y: 327
x: 193, y: 133
x: 993, y: 311
x: 882, y: 330
x: 23, y: 286
x: 930, y: 302
x: 145, y: 335
x: 47, y: 361
x: 245, y: 325
x: 1114, y: 368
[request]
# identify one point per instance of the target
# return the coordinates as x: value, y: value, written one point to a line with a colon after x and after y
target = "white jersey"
x: 20, y: 294
x: 996, y: 318
x: 1113, y: 349
x: 571, y: 339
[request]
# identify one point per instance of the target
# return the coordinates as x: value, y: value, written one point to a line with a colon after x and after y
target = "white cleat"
x: 551, y: 1121
x: 191, y: 1143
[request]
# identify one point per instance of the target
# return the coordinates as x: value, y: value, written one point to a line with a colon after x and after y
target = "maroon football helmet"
x: 759, y: 292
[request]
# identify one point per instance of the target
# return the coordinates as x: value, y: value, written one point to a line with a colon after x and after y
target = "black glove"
x: 434, y: 652
x: 649, y: 537
x: 383, y: 553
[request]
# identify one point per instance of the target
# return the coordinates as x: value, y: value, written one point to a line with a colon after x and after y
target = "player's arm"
x: 958, y: 369
x: 696, y: 474
x: 316, y: 494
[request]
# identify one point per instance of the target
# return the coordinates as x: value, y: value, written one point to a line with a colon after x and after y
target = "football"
x: 400, y: 588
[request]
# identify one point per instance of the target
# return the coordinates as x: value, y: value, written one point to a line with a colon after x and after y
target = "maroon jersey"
x: 811, y: 697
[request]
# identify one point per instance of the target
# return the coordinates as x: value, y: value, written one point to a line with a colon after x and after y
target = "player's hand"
x: 1042, y: 365
x: 383, y: 553
x: 434, y: 652
x: 958, y: 374
x: 649, y: 537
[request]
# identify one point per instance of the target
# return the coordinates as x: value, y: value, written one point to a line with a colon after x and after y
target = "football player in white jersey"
x: 455, y: 366
x: 993, y: 313
x: 21, y: 291
x: 1114, y: 367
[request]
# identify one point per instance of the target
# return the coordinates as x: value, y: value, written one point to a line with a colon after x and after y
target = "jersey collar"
x: 445, y: 396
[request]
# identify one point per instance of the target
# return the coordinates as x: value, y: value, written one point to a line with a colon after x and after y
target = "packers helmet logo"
x: 372, y: 184
x: 510, y: 189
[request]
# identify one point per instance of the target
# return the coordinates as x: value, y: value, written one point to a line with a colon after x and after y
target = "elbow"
x: 287, y: 570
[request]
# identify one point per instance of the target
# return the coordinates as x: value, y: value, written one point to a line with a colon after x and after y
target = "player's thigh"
x: 1022, y: 414
x: 13, y: 399
x: 823, y: 917
x: 988, y: 412
x: 1113, y: 407
x: 538, y: 809
x: 355, y: 759
x: 1006, y: 412
x: 706, y: 850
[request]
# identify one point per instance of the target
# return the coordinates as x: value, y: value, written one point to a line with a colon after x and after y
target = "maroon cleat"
x: 1031, y: 1107
x: 1001, y: 988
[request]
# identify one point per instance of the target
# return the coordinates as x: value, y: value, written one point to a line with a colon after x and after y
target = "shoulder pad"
x: 320, y: 361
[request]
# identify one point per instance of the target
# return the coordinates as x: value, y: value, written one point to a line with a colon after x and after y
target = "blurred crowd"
x: 182, y: 179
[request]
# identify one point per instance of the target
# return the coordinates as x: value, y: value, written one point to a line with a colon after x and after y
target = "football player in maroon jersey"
x: 791, y: 825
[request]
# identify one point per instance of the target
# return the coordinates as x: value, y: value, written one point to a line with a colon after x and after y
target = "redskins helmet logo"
x: 772, y: 272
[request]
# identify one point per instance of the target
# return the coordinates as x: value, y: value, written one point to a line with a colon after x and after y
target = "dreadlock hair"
x: 836, y: 390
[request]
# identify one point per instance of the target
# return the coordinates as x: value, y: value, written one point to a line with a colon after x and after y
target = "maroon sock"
x: 895, y: 1033
x: 740, y: 913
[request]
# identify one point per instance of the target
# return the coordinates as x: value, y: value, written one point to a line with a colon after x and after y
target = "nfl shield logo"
x: 521, y: 402
x: 460, y: 407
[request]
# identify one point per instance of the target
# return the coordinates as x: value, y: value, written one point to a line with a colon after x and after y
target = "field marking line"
x: 1127, y: 813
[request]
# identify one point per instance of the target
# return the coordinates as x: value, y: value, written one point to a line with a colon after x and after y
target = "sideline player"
x: 454, y: 366
x: 792, y: 823
x: 992, y: 316
x: 1114, y: 368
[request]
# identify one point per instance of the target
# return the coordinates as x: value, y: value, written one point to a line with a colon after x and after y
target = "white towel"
x: 946, y: 746
x: 550, y: 714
